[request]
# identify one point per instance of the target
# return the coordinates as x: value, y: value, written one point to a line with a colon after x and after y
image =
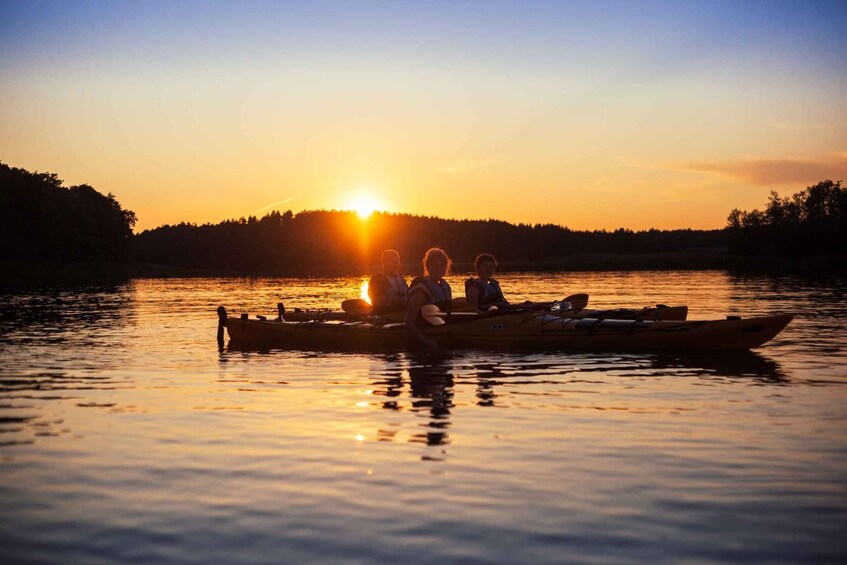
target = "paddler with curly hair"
x: 431, y: 288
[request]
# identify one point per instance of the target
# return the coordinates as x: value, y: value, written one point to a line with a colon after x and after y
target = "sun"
x: 363, y: 203
x: 364, y: 207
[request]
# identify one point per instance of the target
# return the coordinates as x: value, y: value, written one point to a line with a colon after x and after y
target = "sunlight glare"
x: 364, y: 207
x: 363, y: 203
x: 363, y: 294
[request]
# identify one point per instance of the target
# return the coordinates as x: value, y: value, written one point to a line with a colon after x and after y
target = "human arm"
x: 473, y: 296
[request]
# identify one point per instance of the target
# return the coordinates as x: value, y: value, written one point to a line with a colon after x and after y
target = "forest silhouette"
x: 810, y: 222
x: 336, y: 242
x: 43, y: 220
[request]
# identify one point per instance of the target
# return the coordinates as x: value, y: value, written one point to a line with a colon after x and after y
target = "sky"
x: 592, y: 115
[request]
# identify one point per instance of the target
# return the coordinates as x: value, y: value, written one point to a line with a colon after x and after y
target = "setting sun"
x: 363, y: 203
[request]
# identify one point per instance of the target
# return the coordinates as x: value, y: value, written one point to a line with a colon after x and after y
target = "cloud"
x: 467, y: 165
x: 796, y: 126
x: 774, y: 171
x: 270, y: 206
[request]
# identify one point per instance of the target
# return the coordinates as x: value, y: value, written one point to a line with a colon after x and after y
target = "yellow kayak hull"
x: 520, y: 330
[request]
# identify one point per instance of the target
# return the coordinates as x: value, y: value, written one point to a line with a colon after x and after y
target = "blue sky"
x: 417, y: 102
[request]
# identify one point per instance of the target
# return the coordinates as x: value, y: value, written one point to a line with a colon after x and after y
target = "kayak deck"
x: 511, y: 330
x: 646, y: 313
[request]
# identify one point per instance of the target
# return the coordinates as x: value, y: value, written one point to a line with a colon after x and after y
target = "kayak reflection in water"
x: 431, y: 288
x: 483, y: 292
x: 388, y: 290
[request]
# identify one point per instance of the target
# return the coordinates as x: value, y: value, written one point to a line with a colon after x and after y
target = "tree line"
x: 809, y: 222
x: 41, y: 219
x: 329, y: 242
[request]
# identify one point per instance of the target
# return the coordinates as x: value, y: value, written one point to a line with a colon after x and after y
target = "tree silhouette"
x: 41, y: 219
x: 334, y: 242
x: 810, y: 222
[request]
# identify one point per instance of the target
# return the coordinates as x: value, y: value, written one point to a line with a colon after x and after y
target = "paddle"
x: 433, y: 314
x: 356, y: 307
x: 578, y: 301
x: 359, y: 307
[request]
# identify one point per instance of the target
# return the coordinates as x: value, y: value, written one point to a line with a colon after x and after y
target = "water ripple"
x: 127, y: 436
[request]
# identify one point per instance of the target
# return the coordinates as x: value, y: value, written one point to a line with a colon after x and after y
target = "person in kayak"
x: 388, y: 290
x: 431, y: 288
x: 483, y: 292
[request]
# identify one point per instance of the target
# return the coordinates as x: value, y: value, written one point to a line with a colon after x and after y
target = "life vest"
x: 489, y: 292
x: 398, y: 285
x: 385, y: 290
x: 438, y: 293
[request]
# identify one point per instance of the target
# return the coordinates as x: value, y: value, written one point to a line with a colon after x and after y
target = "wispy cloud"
x: 467, y: 165
x: 798, y: 126
x: 773, y: 171
x: 271, y: 206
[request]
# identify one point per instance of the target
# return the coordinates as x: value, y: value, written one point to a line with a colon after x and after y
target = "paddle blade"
x: 356, y: 307
x: 578, y: 301
x: 433, y: 315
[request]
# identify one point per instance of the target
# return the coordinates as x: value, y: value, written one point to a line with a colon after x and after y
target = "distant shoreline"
x: 39, y: 273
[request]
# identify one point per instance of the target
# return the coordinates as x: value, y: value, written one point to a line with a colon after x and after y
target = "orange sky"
x: 661, y: 116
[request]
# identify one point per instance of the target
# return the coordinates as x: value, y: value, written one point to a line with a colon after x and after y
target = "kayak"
x: 659, y: 312
x: 573, y: 306
x: 508, y: 330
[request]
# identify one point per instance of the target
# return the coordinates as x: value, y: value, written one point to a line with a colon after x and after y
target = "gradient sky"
x: 586, y: 114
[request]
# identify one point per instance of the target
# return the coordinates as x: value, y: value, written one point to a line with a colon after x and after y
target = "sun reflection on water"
x: 530, y: 444
x: 363, y: 291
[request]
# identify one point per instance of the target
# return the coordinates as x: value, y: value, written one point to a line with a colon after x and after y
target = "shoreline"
x: 40, y: 273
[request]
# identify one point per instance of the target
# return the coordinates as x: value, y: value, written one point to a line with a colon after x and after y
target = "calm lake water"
x: 127, y: 436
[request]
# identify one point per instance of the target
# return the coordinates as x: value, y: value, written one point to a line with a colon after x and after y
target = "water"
x: 127, y: 436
